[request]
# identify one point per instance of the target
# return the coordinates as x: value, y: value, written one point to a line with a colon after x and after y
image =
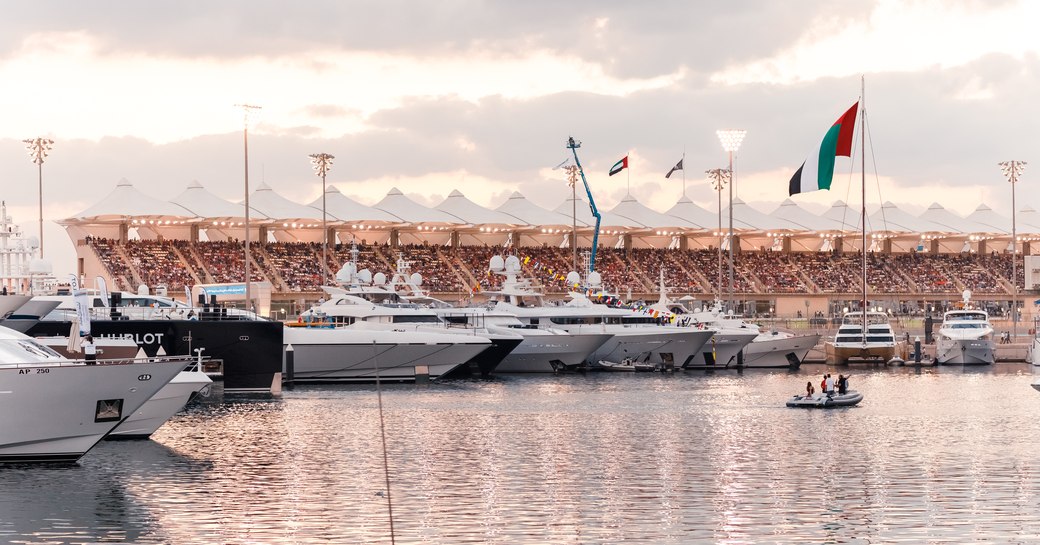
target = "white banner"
x: 79, y: 296
x: 103, y: 291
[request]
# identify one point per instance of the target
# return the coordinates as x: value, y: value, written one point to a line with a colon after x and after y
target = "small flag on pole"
x: 678, y: 166
x: 619, y: 166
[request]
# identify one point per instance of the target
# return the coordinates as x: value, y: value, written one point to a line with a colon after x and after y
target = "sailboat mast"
x: 863, y: 199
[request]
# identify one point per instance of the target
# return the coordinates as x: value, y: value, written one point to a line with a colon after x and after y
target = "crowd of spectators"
x: 296, y: 267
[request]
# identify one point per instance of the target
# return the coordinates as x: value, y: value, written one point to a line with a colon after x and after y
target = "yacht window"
x: 431, y: 318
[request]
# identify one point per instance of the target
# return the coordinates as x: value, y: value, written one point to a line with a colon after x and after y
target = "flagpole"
x: 683, y: 161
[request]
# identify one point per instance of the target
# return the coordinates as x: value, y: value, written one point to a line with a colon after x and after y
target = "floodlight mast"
x: 573, y: 145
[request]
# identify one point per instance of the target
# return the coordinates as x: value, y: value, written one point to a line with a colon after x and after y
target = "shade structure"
x: 986, y: 218
x: 342, y: 208
x: 949, y: 222
x: 205, y: 204
x: 125, y: 201
x: 467, y: 211
x: 1028, y: 221
x: 892, y: 219
x: 276, y: 207
x: 632, y: 210
x: 794, y: 214
x: 688, y: 211
x: 529, y: 213
x: 397, y: 204
x: 748, y: 218
x: 584, y: 214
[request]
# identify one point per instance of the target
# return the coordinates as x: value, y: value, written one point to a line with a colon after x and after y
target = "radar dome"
x: 142, y: 289
x: 379, y: 279
x: 365, y: 276
x: 573, y: 278
x: 416, y: 279
x: 594, y: 278
x: 497, y: 263
x: 513, y: 263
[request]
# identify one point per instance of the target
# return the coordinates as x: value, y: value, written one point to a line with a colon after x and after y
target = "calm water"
x: 931, y: 456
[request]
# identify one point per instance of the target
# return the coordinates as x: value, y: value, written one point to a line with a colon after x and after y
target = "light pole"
x: 322, y: 163
x: 38, y: 149
x: 1012, y: 170
x: 572, y: 180
x: 719, y: 177
x: 731, y: 140
x: 246, y: 110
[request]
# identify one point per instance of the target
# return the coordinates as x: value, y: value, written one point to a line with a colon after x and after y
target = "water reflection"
x: 930, y: 455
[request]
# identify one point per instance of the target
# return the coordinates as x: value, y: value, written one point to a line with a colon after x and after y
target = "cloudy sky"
x: 481, y: 97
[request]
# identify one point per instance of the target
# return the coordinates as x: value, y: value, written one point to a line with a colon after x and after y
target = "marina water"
x: 932, y: 455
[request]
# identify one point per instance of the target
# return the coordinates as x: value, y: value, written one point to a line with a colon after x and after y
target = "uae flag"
x: 619, y: 166
x: 818, y: 169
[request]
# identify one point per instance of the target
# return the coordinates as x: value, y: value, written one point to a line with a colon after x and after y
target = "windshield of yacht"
x: 25, y: 351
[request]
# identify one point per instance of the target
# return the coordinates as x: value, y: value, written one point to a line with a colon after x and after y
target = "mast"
x: 863, y: 200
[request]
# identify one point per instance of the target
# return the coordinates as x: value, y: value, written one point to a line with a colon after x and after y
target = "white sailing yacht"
x: 864, y: 334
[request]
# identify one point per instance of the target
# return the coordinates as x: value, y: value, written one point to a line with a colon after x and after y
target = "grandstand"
x: 786, y: 261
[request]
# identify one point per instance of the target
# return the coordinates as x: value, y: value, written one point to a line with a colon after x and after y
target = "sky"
x: 481, y: 97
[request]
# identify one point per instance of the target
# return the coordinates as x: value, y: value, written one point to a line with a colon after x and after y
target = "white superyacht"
x: 965, y: 336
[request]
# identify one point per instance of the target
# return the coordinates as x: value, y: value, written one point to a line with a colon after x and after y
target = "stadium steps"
x: 202, y: 266
x: 455, y: 266
x: 265, y: 265
x: 129, y: 264
x: 186, y: 264
x: 635, y: 272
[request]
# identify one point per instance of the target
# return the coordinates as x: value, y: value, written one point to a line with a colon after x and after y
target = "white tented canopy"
x: 472, y: 213
x: 265, y: 201
x: 631, y: 209
x: 340, y: 207
x: 842, y: 216
x: 125, y: 201
x: 399, y: 205
x: 204, y: 204
x: 686, y: 210
x: 748, y: 218
x: 892, y: 219
x: 1028, y: 221
x: 793, y: 214
x: 584, y: 214
x: 529, y: 213
x: 949, y: 222
x: 986, y: 218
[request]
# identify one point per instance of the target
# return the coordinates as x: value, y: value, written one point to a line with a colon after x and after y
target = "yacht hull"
x: 722, y: 350
x: 343, y: 355
x: 780, y: 351
x: 838, y: 354
x: 653, y: 344
x: 168, y: 401
x: 57, y: 413
x: 548, y: 352
x: 964, y: 351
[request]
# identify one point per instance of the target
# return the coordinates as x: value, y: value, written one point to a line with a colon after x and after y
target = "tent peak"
x: 455, y: 193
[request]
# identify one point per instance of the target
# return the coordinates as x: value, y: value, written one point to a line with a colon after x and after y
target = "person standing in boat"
x: 89, y: 350
x: 823, y: 385
x: 843, y: 384
x: 809, y: 390
x: 830, y: 384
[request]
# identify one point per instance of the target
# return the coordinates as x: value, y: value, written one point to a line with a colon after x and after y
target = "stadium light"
x: 718, y: 178
x: 1012, y: 170
x: 731, y: 140
x: 322, y: 163
x: 38, y: 149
